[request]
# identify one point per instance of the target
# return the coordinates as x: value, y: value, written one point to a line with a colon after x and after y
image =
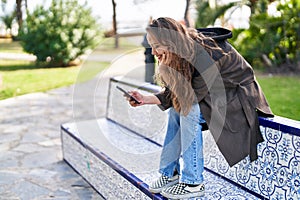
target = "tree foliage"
x: 272, y: 40
x: 61, y: 33
x: 18, y: 9
x: 206, y: 15
x: 8, y: 20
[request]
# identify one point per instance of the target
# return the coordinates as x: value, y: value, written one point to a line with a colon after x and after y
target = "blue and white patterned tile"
x: 274, y: 175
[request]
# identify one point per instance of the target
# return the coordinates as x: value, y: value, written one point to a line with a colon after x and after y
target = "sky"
x: 132, y: 15
x: 126, y: 10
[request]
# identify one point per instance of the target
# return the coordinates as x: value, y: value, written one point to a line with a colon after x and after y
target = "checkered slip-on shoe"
x: 183, y: 191
x: 162, y: 182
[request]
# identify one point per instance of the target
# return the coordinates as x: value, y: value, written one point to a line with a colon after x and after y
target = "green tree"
x: 272, y: 40
x: 207, y: 15
x: 18, y: 13
x: 8, y: 20
x: 61, y: 33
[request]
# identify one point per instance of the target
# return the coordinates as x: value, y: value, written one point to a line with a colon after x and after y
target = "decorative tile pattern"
x: 274, y: 175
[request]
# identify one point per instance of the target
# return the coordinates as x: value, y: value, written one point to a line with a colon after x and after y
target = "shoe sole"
x: 159, y: 190
x: 183, y: 196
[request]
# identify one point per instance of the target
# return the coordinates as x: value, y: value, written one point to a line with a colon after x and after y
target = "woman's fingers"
x: 137, y: 96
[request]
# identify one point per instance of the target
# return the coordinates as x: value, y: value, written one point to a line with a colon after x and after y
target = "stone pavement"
x: 31, y: 165
x: 31, y: 160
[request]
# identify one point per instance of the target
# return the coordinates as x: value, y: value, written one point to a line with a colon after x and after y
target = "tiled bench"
x: 118, y: 155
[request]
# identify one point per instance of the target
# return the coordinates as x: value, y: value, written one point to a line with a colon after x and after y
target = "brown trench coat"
x: 230, y: 99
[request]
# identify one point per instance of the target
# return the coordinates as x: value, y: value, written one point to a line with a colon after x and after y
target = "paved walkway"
x: 31, y: 160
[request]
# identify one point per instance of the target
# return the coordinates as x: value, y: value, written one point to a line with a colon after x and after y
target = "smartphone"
x: 132, y: 98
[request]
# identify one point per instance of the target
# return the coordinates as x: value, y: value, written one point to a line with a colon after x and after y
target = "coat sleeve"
x: 164, y: 98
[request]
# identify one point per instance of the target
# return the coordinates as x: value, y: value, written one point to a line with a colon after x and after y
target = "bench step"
x: 119, y: 164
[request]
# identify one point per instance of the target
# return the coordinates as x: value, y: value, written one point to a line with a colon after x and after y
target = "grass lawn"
x: 22, y: 77
x: 283, y: 94
x: 23, y: 81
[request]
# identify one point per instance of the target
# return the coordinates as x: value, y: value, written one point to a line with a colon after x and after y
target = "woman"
x: 204, y: 79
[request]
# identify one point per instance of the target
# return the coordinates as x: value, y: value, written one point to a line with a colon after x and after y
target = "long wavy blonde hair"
x: 176, y: 71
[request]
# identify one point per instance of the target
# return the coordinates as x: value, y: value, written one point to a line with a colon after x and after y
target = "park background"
x: 265, y: 32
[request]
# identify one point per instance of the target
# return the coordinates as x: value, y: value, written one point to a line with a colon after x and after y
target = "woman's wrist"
x: 151, y: 99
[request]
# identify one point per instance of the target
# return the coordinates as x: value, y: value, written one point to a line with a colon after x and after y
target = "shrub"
x: 272, y: 41
x: 60, y: 34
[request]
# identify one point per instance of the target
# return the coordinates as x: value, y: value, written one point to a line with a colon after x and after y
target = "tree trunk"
x: 115, y: 24
x: 187, y: 18
x: 19, y: 12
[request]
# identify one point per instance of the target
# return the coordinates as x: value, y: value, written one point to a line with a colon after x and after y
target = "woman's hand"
x: 138, y: 96
x: 143, y: 99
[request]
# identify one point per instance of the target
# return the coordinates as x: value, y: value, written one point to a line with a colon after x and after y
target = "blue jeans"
x: 183, y: 146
